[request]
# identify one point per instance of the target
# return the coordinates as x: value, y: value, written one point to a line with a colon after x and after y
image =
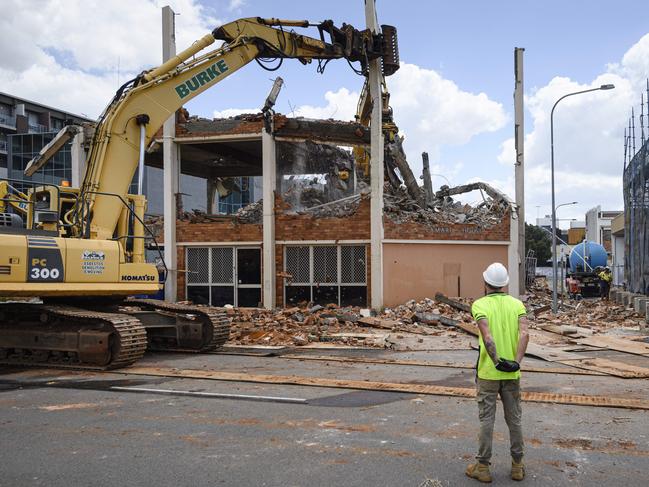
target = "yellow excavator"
x: 81, y: 250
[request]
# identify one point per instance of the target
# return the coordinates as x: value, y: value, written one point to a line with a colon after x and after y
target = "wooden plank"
x: 609, y: 367
x: 571, y: 399
x: 378, y: 323
x: 567, y: 330
x: 355, y: 335
x: 550, y: 354
x: 615, y: 343
x: 433, y: 363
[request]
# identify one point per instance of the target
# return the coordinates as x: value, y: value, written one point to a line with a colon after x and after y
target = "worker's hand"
x: 507, y: 365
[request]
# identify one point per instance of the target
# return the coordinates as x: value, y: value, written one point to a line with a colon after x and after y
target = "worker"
x: 503, y: 339
x: 574, y: 288
x: 605, y: 278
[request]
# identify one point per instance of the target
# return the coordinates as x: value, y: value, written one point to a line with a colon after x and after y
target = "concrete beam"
x: 78, y: 159
x: 269, y: 165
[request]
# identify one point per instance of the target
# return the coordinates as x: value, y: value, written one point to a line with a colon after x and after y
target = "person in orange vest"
x: 502, y: 321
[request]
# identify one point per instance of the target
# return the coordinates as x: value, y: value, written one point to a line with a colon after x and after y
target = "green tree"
x: 540, y: 241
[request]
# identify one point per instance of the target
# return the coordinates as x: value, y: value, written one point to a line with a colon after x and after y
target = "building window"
x: 23, y: 147
x: 242, y: 193
x: 224, y: 275
x: 325, y: 274
x: 56, y: 123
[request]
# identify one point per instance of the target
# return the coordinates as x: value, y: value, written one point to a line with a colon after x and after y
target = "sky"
x: 452, y: 96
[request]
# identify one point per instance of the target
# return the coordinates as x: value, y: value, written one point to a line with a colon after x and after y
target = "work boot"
x: 479, y: 471
x: 518, y: 470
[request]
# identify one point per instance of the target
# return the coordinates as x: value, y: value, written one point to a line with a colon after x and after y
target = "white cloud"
x: 434, y: 112
x: 588, y: 140
x: 236, y: 4
x: 233, y: 112
x: 56, y: 50
x: 341, y: 105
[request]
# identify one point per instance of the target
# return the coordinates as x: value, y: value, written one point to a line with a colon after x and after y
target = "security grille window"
x: 326, y: 274
x: 224, y: 275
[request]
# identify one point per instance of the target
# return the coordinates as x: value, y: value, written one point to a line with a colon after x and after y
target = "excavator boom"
x: 155, y: 95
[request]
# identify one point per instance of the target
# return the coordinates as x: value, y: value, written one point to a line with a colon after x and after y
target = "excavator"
x: 81, y: 251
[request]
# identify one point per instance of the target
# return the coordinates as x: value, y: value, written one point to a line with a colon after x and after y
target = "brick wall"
x: 446, y: 231
x: 305, y: 227
x: 226, y: 230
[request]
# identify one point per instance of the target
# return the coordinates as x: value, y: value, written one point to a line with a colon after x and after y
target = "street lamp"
x: 563, y: 266
x: 554, y: 209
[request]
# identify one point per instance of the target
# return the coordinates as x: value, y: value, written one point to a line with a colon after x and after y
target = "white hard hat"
x: 496, y: 275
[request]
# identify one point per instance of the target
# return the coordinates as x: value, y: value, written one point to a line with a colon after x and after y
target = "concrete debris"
x: 252, y: 213
x: 594, y: 314
x: 301, y: 325
x: 401, y: 208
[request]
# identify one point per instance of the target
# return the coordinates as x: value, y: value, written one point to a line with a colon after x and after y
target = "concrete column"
x: 171, y: 166
x: 513, y: 257
x: 269, y: 171
x: 376, y: 168
x: 519, y: 172
x: 78, y: 156
x: 640, y: 305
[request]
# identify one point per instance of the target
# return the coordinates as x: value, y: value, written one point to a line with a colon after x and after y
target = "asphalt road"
x: 60, y: 428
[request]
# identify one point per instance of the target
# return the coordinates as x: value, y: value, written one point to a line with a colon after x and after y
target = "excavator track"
x: 215, y: 325
x: 69, y: 337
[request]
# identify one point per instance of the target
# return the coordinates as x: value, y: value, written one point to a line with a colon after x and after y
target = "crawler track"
x: 58, y: 335
x: 216, y: 325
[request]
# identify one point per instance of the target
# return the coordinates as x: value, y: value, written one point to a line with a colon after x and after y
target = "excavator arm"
x: 10, y: 196
x: 155, y: 95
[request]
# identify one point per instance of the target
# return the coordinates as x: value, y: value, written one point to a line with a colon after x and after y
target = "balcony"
x: 8, y: 121
x: 36, y: 128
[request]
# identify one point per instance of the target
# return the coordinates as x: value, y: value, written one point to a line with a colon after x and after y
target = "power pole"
x: 519, y: 167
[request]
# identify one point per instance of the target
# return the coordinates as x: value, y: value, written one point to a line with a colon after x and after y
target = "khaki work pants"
x: 510, y: 394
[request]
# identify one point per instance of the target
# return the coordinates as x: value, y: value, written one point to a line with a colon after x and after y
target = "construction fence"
x: 636, y: 221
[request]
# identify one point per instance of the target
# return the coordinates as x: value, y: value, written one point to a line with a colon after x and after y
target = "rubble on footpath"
x: 429, y: 318
x: 301, y: 325
x: 595, y: 314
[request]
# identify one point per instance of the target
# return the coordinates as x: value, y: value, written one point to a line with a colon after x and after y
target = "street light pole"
x: 563, y: 266
x: 554, y: 210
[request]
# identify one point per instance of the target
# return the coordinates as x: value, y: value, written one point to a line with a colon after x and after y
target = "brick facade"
x: 305, y: 227
x: 446, y: 231
x: 293, y: 227
x: 221, y: 230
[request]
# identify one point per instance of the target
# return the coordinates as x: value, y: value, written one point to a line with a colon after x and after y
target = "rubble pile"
x: 442, y: 317
x: 252, y: 213
x: 400, y: 207
x: 301, y: 325
x: 596, y: 314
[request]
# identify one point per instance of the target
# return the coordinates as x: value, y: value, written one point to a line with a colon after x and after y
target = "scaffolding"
x: 636, y: 203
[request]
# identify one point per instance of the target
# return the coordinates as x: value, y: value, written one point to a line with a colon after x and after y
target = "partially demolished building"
x: 319, y: 222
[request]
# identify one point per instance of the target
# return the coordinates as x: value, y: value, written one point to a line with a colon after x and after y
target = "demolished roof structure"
x: 312, y: 147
